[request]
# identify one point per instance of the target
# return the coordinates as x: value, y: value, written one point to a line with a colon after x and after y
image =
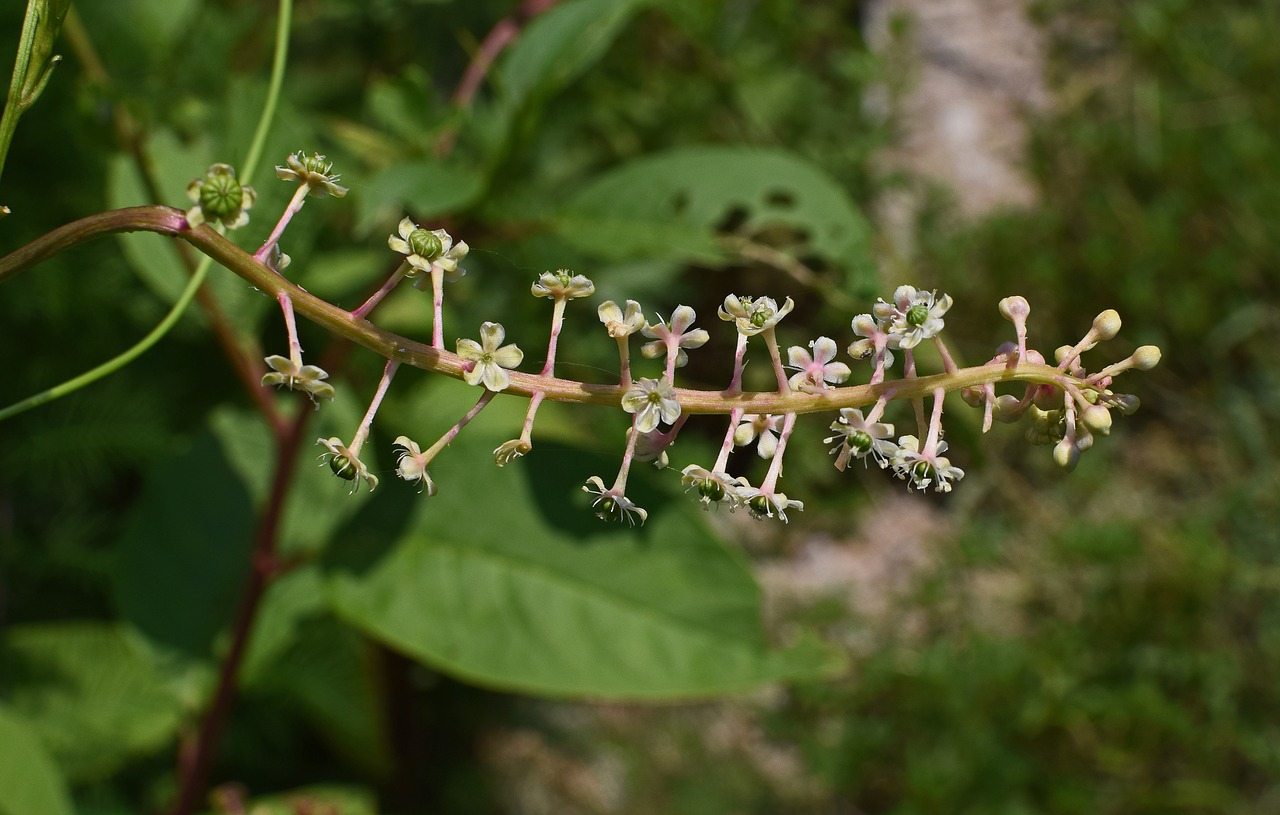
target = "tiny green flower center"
x: 342, y: 468
x: 860, y: 440
x: 221, y: 196
x: 711, y: 490
x: 760, y: 316
x: 425, y: 243
x: 608, y: 508
x: 921, y: 470
x: 563, y: 276
x: 317, y: 164
x: 655, y: 398
x: 486, y: 358
x: 760, y: 505
x: 917, y: 314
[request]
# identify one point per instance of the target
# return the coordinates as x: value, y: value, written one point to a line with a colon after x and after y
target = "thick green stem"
x: 338, y: 321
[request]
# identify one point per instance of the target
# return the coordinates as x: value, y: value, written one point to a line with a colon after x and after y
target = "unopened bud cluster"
x: 1064, y: 406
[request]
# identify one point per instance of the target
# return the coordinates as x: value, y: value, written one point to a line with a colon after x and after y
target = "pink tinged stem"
x: 722, y: 460
x: 784, y: 387
x: 376, y: 298
x: 909, y: 372
x: 877, y: 410
x: 548, y: 369
x: 526, y: 432
x: 447, y: 439
x: 881, y: 343
x: 739, y: 364
x: 948, y: 363
x: 775, y: 466
x: 620, y: 483
x: 1069, y: 409
x: 557, y: 321
x: 388, y: 373
x: 624, y: 362
x: 930, y: 448
x: 437, y: 297
x: 295, y: 204
x: 291, y: 325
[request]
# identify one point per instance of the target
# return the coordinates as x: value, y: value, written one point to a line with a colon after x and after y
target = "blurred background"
x: 1104, y: 641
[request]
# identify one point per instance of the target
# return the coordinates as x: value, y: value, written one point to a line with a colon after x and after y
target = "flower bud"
x: 1062, y: 352
x: 1047, y: 397
x: 1146, y: 357
x: 1097, y: 418
x: 1014, y: 308
x: 1106, y: 325
x: 1127, y: 402
x: 1008, y: 408
x: 1066, y: 455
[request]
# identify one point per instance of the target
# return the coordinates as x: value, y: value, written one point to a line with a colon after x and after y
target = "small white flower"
x: 816, y: 370
x: 676, y: 333
x: 427, y: 251
x: 753, y: 315
x: 763, y: 504
x: 308, y: 378
x: 412, y: 464
x: 509, y: 451
x: 652, y: 401
x: 489, y: 359
x: 712, y: 488
x: 313, y: 170
x: 859, y: 438
x: 874, y: 337
x: 611, y: 505
x: 761, y: 428
x: 345, y: 463
x: 563, y: 285
x: 618, y: 323
x: 921, y: 470
x: 913, y: 316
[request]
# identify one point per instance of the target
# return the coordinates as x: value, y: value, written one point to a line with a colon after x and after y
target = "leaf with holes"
x: 684, y: 203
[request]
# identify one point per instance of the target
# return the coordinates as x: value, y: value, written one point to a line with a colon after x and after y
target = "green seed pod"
x: 425, y: 244
x: 342, y: 468
x: 917, y: 314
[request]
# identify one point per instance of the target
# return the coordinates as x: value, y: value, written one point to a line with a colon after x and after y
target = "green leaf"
x: 331, y: 673
x: 675, y: 204
x: 560, y: 45
x: 318, y: 502
x: 29, y: 782
x: 426, y: 189
x: 184, y: 555
x: 91, y: 693
x: 498, y: 581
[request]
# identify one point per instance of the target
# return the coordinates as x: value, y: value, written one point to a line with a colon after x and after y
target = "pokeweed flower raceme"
x: 1065, y: 405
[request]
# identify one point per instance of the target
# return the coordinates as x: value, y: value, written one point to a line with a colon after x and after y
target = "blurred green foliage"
x: 1093, y: 644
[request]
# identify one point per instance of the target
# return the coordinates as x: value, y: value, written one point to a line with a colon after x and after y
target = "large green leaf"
x: 673, y: 204
x: 29, y: 783
x: 91, y: 693
x: 184, y: 556
x: 559, y: 45
x: 500, y: 581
